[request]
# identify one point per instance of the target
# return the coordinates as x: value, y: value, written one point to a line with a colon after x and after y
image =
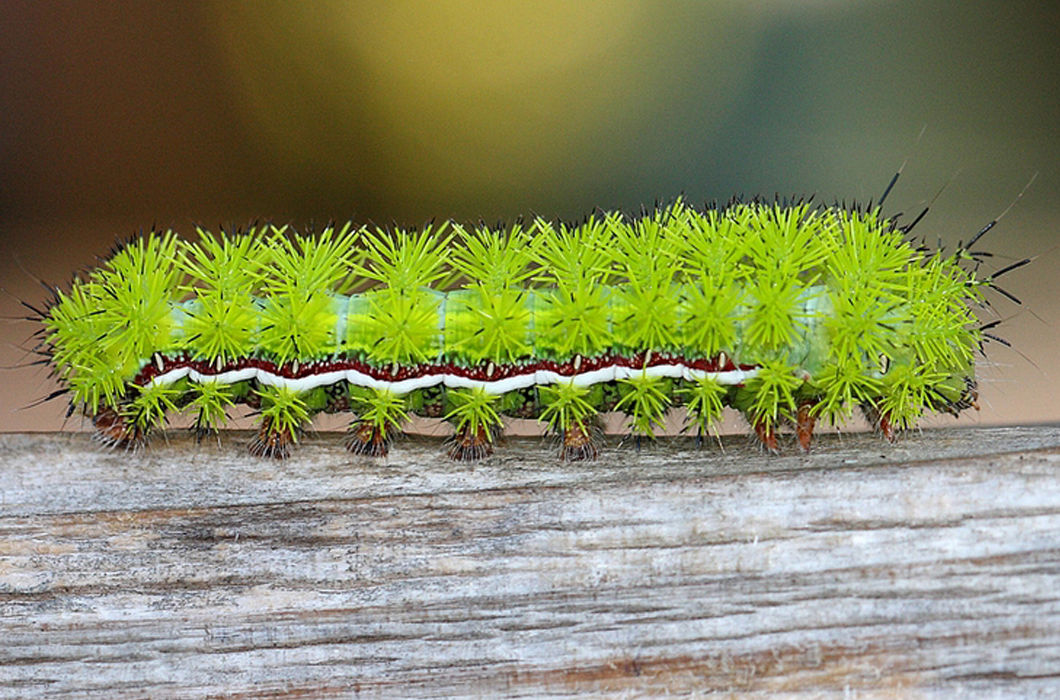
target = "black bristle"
x: 1010, y: 268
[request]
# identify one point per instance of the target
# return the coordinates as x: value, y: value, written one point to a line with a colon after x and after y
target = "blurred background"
x: 119, y: 116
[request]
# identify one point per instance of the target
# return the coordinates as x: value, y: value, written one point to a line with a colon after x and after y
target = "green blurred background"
x: 116, y: 116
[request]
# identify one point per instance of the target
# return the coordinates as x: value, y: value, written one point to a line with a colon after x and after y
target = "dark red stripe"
x: 390, y: 373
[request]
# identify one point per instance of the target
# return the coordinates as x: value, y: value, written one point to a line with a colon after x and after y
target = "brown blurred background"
x: 116, y: 116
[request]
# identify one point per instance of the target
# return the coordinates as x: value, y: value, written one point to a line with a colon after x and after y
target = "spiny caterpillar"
x: 788, y: 312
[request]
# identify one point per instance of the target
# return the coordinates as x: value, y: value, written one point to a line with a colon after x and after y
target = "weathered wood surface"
x: 927, y: 568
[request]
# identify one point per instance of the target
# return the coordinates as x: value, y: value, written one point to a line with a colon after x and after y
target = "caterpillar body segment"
x: 789, y: 313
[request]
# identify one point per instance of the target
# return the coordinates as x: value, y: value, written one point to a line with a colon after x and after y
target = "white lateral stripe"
x: 455, y: 381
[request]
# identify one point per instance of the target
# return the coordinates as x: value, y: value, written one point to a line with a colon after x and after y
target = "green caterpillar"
x: 789, y: 313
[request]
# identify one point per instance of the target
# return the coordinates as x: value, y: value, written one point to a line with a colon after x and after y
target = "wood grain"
x: 927, y: 568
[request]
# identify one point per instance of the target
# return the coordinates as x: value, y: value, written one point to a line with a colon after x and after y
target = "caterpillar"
x: 788, y: 311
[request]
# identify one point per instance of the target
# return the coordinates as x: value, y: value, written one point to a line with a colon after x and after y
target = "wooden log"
x: 930, y: 567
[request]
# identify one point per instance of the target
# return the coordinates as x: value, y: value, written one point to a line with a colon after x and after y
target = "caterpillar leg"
x: 382, y: 412
x: 471, y: 444
x: 886, y: 429
x: 767, y: 436
x: 132, y: 422
x: 114, y: 430
x: 272, y: 441
x: 368, y: 439
x: 880, y: 422
x: 570, y: 411
x: 578, y: 444
x: 804, y: 425
x: 476, y: 422
x: 283, y: 414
